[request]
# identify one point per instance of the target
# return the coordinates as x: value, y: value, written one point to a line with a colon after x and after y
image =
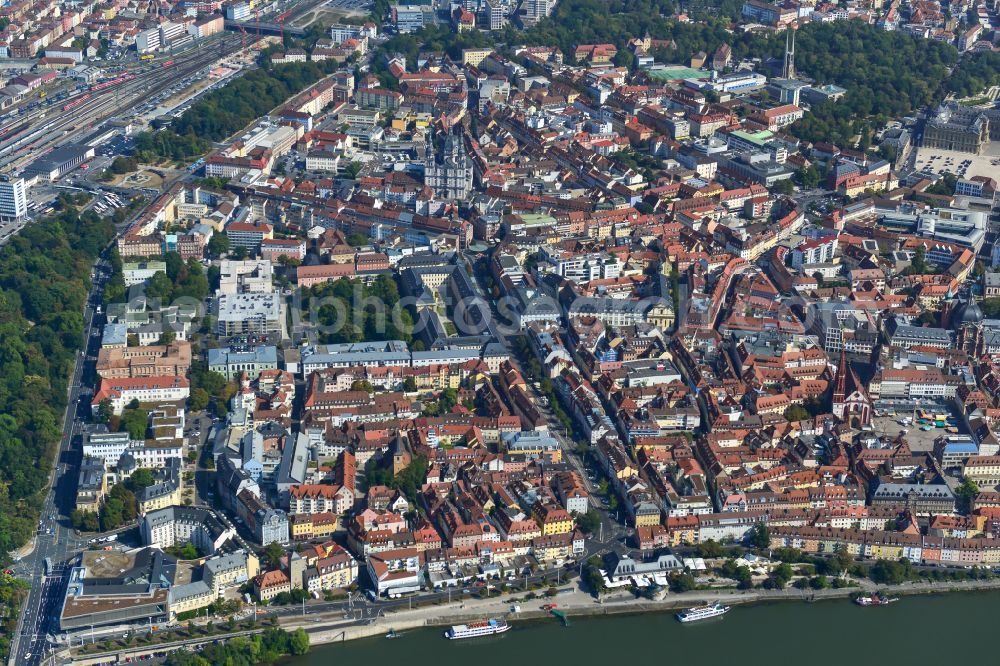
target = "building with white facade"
x: 818, y: 251
x: 177, y: 525
x: 410, y: 18
x: 13, y: 199
x: 148, y: 41
x: 122, y: 391
x: 239, y: 314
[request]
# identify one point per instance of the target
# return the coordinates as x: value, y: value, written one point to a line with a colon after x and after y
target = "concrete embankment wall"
x: 435, y: 616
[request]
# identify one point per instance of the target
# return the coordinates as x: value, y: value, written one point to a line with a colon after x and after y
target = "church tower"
x: 850, y: 399
x: 448, y: 171
x: 789, y: 68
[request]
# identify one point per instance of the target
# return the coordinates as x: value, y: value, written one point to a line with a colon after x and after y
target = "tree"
x: 888, y: 153
x: 410, y: 385
x: 85, y: 521
x: 218, y: 245
x: 118, y: 509
x: 160, y: 286
x: 865, y: 142
x: 945, y: 186
x: 796, y: 413
x: 362, y: 385
x: 841, y: 561
x: 355, y: 239
x: 928, y: 318
x: 410, y: 480
x: 919, y: 261
x: 199, y: 400
x: 784, y: 186
x: 44, y: 271
x: 134, y: 422
x: 174, y: 264
x: 223, y: 111
x: 122, y: 165
x: 808, y: 177
x: 376, y: 474
x: 595, y: 581
x: 682, y: 583
x: 710, y: 548
x: 273, y: 553
x: 166, y: 338
x: 213, y: 382
x: 760, y: 536
x: 589, y: 522
x: 991, y: 307
x: 105, y: 410
x: 965, y: 493
x: 186, y: 551
x: 887, y: 572
x: 298, y: 642
x: 352, y: 170
x: 781, y: 575
x: 141, y: 478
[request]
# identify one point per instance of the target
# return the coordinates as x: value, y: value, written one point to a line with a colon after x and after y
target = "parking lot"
x: 963, y: 165
x: 918, y: 440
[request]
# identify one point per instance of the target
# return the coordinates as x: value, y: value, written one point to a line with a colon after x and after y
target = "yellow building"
x: 155, y: 501
x: 230, y: 570
x: 884, y: 551
x: 682, y: 530
x: 984, y: 470
x: 644, y: 519
x: 553, y: 520
x: 336, y: 571
x: 308, y: 526
x: 190, y: 597
x: 556, y: 547
x: 474, y: 56
x: 662, y: 316
x: 270, y: 584
x: 301, y: 526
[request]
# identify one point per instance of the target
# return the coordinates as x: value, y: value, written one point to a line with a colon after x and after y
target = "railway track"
x: 26, y: 140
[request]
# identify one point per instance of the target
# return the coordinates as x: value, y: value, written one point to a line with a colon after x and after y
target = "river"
x: 915, y: 630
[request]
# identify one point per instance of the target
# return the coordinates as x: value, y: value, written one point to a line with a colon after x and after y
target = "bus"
x: 147, y: 56
x: 48, y: 565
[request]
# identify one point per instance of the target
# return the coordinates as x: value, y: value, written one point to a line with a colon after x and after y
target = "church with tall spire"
x: 965, y: 317
x: 850, y: 397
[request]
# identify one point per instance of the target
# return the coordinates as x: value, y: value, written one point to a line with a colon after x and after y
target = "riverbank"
x: 578, y: 604
x: 791, y: 631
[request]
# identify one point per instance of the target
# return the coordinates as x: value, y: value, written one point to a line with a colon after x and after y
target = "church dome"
x: 968, y: 313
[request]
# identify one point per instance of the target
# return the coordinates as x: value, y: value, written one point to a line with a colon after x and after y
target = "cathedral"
x: 965, y: 317
x: 448, y: 172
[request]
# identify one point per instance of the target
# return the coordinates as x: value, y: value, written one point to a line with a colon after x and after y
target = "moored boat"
x: 703, y: 612
x: 488, y: 627
x: 873, y: 600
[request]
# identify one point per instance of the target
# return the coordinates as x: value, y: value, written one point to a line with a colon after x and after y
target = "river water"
x: 915, y: 630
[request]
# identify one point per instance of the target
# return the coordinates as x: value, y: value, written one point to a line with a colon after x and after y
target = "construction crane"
x: 281, y: 23
x: 256, y: 14
x: 244, y: 31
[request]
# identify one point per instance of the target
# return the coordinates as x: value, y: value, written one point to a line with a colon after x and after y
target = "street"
x: 56, y: 540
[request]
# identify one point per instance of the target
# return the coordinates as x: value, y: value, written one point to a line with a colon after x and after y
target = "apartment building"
x: 121, y: 391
